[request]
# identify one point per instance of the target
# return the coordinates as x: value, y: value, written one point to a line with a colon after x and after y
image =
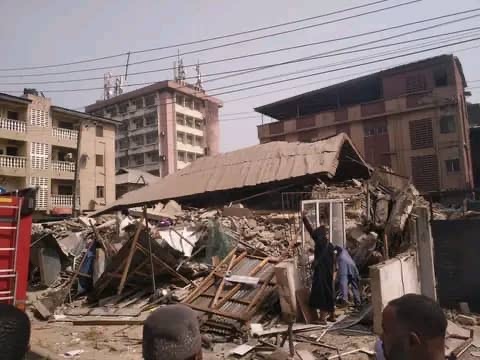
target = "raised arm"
x: 308, y: 226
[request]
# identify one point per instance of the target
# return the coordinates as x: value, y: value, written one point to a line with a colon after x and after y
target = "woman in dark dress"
x: 322, y: 293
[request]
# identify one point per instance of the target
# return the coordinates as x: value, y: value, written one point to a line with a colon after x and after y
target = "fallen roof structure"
x: 252, y: 170
x: 134, y: 176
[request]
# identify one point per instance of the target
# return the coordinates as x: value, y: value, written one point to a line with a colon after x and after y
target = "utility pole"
x: 76, y: 179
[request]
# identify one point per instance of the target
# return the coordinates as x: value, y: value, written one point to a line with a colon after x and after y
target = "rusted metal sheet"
x: 234, y: 301
x: 255, y: 165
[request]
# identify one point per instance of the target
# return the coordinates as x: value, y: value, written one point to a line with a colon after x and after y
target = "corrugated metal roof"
x: 133, y: 176
x: 258, y: 164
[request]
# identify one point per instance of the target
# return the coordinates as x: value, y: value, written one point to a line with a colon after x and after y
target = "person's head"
x: 320, y: 234
x: 14, y: 333
x: 172, y: 333
x: 414, y: 327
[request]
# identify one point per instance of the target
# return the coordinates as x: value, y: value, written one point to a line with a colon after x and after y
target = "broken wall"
x: 390, y: 280
x: 456, y: 249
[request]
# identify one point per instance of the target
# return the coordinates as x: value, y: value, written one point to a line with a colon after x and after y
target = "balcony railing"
x: 61, y: 200
x: 63, y: 166
x: 13, y: 125
x: 67, y: 134
x: 13, y: 162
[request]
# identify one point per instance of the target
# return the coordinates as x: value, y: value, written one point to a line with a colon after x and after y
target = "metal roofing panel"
x: 259, y: 164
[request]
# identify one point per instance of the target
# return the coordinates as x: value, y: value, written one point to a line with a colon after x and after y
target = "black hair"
x: 421, y: 315
x: 14, y: 333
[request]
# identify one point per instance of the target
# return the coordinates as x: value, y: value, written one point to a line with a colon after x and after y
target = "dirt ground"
x: 124, y: 342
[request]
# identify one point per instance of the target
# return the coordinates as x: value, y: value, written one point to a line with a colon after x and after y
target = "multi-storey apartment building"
x: 412, y: 118
x: 162, y: 127
x: 39, y: 146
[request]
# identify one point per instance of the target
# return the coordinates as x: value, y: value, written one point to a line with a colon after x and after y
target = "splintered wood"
x: 239, y: 301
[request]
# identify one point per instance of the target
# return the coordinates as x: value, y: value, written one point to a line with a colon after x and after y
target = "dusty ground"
x: 124, y: 342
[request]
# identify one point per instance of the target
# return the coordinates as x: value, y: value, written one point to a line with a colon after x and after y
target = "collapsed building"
x: 224, y: 236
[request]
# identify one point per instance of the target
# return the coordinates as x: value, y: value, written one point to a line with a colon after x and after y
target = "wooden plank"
x: 255, y: 303
x: 237, y: 287
x: 93, y: 320
x: 310, y: 315
x: 217, y: 312
x: 222, y: 283
x: 133, y: 247
x: 210, y: 277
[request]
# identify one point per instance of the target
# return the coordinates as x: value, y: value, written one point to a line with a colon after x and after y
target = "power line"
x: 272, y: 51
x: 346, y: 67
x: 218, y: 46
x: 197, y: 41
x: 331, y: 53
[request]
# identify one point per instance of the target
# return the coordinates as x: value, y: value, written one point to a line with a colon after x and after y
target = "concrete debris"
x: 466, y: 320
x: 236, y: 266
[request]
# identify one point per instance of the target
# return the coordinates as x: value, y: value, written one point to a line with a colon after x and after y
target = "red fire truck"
x: 16, y: 210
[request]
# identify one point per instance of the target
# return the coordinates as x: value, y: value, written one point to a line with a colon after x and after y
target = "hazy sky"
x: 51, y: 32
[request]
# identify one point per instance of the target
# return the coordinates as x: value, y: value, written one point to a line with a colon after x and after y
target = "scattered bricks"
x: 466, y: 320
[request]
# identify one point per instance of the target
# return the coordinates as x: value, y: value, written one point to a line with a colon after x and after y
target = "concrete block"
x: 466, y: 320
x: 390, y: 280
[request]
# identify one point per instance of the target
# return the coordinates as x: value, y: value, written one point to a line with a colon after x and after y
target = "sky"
x: 58, y: 32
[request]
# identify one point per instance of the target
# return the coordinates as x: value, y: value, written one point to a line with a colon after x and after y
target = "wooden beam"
x: 255, y: 303
x: 222, y: 283
x: 130, y: 256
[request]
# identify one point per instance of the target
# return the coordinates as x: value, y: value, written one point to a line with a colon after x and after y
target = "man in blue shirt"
x: 347, y: 274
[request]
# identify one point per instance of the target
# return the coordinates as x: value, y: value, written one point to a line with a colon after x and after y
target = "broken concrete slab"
x: 466, y: 320
x: 49, y: 264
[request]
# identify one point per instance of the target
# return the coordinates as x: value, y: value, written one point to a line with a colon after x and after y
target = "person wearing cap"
x: 172, y: 332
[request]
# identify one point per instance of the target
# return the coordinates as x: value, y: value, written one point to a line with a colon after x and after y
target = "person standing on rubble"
x: 322, y: 296
x: 347, y: 275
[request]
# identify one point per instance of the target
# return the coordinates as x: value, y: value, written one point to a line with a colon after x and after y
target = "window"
x: 151, y: 137
x: 198, y: 140
x: 151, y: 118
x: 39, y: 118
x: 181, y: 156
x: 12, y: 151
x: 188, y: 102
x: 452, y: 165
x: 180, y: 119
x: 180, y: 137
x: 100, y: 192
x: 139, y: 159
x: 190, y: 157
x: 99, y: 130
x: 196, y: 105
x: 12, y: 115
x: 415, y: 83
x: 137, y: 140
x: 179, y: 99
x: 99, y: 160
x: 150, y: 100
x: 447, y: 124
x: 139, y: 103
x: 65, y: 125
x: 39, y: 154
x: 123, y: 162
x: 198, y: 124
x: 440, y: 77
x: 65, y: 190
x: 425, y: 172
x: 112, y: 111
x: 190, y: 139
x: 123, y: 143
x: 137, y: 123
x: 421, y: 134
x: 61, y: 156
x: 190, y: 122
x: 123, y: 127
x: 122, y: 108
x: 153, y: 156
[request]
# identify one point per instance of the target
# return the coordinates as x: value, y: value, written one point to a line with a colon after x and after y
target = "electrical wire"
x: 196, y: 41
x: 308, y: 58
x: 270, y: 51
x: 221, y: 46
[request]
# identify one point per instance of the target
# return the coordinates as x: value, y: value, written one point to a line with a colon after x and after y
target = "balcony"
x: 66, y: 134
x: 13, y: 162
x: 65, y: 166
x: 61, y: 201
x: 13, y: 125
